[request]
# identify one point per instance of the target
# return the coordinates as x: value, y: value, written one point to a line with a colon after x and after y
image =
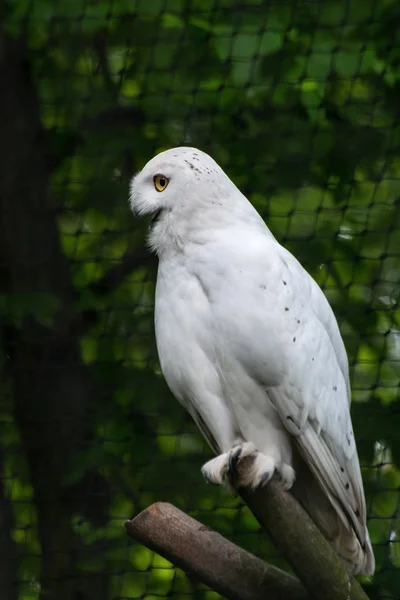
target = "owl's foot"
x: 244, y: 466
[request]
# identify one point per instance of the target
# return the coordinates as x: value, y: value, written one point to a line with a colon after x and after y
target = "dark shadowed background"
x: 299, y: 103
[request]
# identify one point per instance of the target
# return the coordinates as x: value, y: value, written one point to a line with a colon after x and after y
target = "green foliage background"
x: 299, y: 103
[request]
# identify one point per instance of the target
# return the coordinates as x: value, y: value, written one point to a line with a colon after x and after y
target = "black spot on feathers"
x: 192, y: 166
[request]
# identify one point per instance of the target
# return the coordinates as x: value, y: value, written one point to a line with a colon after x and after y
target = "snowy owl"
x: 249, y: 345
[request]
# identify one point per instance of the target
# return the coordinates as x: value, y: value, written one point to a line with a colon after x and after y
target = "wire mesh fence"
x: 298, y: 102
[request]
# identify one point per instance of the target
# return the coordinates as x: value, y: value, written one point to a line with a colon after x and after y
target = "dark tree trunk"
x: 52, y: 389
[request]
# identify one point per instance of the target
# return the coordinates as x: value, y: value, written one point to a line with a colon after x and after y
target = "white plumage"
x: 250, y: 346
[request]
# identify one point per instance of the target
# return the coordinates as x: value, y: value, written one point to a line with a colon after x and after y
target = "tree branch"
x: 208, y: 556
x: 307, y: 551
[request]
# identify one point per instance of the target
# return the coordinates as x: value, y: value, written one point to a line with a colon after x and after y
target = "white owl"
x: 250, y: 346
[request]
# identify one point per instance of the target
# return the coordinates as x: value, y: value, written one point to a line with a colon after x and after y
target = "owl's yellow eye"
x: 160, y: 182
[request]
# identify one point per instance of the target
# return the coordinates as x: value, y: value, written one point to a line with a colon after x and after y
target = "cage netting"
x: 299, y: 103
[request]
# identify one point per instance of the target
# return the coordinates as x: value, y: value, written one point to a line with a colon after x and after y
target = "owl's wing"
x: 313, y: 395
x: 205, y: 430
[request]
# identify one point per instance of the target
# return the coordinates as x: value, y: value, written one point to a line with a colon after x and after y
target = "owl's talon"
x: 233, y: 459
x: 264, y: 479
x: 227, y: 468
x: 213, y: 471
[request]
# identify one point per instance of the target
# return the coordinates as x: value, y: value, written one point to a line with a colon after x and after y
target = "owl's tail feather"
x: 341, y: 535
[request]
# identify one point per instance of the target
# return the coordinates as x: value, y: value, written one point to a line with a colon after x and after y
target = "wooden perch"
x: 307, y: 551
x: 211, y: 558
x: 237, y: 574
